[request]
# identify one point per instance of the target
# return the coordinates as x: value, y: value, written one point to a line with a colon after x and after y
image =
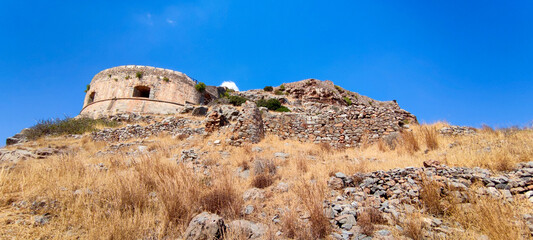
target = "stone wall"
x: 112, y: 90
x: 339, y: 126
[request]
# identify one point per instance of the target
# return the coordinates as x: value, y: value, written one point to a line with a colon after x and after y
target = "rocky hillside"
x: 304, y: 160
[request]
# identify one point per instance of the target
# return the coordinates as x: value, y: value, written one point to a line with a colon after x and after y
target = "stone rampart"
x: 339, y: 126
x: 139, y: 89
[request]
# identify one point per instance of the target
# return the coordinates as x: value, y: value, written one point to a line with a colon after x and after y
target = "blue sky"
x: 467, y: 62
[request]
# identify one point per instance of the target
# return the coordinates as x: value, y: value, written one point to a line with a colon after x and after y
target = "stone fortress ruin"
x: 142, y: 90
x: 316, y: 111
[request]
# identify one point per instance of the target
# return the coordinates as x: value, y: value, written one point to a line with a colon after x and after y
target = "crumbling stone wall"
x: 339, y: 126
x: 112, y: 91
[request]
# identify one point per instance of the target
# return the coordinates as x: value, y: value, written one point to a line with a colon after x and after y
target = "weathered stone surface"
x: 205, y: 226
x: 199, y: 111
x: 249, y: 126
x: 215, y: 121
x: 396, y: 193
x: 249, y: 229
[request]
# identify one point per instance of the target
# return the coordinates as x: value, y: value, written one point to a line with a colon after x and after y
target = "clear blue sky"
x: 467, y: 62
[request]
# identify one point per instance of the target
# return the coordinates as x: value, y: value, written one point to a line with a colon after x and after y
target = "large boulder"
x: 205, y: 226
x: 199, y: 111
x: 249, y: 126
x: 248, y: 229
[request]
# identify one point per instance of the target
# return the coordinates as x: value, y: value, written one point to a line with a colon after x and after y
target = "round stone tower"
x: 138, y: 89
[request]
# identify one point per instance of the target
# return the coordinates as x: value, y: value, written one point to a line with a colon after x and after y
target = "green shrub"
x: 282, y: 109
x: 66, y: 126
x: 166, y: 79
x: 200, y: 87
x: 139, y: 75
x: 348, y: 101
x: 272, y: 104
x: 339, y: 89
x: 230, y: 90
x: 236, y: 100
x: 116, y: 79
x: 127, y: 77
x: 282, y: 87
x: 88, y: 88
x: 109, y: 75
x: 278, y: 92
x: 268, y: 89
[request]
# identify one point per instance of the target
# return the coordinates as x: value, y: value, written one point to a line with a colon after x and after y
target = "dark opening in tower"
x: 141, y: 91
x: 91, y: 98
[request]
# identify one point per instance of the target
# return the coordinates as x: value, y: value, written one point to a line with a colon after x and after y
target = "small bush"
x: 282, y: 109
x: 282, y: 87
x: 67, y: 126
x: 166, y: 79
x: 88, y: 88
x: 127, y: 77
x: 200, y: 87
x: 109, y: 75
x: 348, y: 101
x: 339, y: 89
x: 139, y: 75
x: 236, y: 100
x: 268, y: 89
x: 278, y: 92
x: 271, y: 104
x: 116, y: 79
x: 262, y: 181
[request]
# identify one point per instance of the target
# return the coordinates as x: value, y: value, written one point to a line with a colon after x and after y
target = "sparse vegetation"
x: 166, y: 79
x: 149, y: 194
x: 272, y: 104
x: 339, y: 89
x: 279, y: 92
x: 200, y: 87
x: 282, y: 87
x: 348, y: 101
x: 67, y: 126
x: 139, y: 75
x: 268, y: 89
x: 236, y: 100
x: 87, y: 88
x: 127, y: 77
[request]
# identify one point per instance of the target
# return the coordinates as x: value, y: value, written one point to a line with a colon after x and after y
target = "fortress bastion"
x: 141, y: 89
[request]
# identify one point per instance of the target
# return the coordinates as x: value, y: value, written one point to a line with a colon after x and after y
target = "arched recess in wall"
x: 91, y: 98
x: 141, y: 91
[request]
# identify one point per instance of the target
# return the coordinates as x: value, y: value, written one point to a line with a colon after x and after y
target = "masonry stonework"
x: 139, y: 89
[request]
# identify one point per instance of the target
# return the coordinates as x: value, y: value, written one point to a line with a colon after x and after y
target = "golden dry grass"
x: 148, y: 194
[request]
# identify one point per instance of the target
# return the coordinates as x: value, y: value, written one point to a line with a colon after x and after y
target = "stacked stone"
x: 457, y: 130
x: 337, y: 125
x: 397, y: 192
x: 249, y: 126
x: 170, y: 125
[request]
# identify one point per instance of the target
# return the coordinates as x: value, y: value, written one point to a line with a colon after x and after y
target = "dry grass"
x: 409, y: 142
x: 430, y: 137
x: 492, y: 217
x: 413, y: 226
x: 149, y: 195
x: 368, y: 218
x: 311, y: 195
x: 431, y: 196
